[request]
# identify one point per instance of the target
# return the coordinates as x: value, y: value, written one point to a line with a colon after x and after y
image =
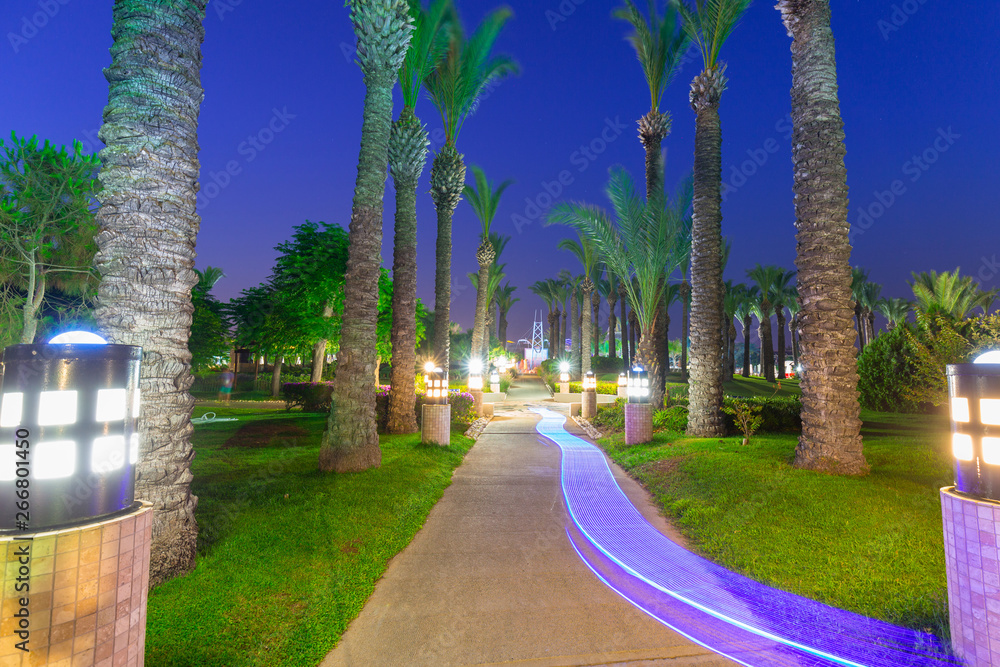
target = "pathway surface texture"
x: 494, y: 578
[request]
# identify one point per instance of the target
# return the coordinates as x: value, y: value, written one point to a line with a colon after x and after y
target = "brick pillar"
x: 973, y: 567
x: 589, y: 408
x: 86, y: 595
x: 435, y: 425
x: 638, y: 423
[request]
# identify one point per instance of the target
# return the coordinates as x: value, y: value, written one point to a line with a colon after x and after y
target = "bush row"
x: 778, y: 414
x: 602, y: 388
x: 318, y: 396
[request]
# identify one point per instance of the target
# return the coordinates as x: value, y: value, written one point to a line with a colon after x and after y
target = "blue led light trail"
x: 745, y: 620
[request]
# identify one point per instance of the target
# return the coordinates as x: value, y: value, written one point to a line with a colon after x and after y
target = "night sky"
x: 918, y: 91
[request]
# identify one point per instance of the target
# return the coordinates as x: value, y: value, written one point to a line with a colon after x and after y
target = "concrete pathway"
x: 492, y: 578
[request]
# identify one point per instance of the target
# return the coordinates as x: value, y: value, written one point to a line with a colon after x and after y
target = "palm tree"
x: 543, y: 290
x: 831, y: 424
x: 626, y: 348
x: 146, y: 247
x: 640, y: 240
x: 859, y: 277
x: 505, y: 301
x: 407, y: 157
x: 894, y: 310
x: 608, y: 288
x: 870, y: 293
x: 484, y: 199
x: 948, y: 294
x: 748, y: 305
x: 455, y: 87
x: 595, y: 305
x: 568, y: 286
x: 767, y: 279
x: 731, y: 306
x: 557, y: 336
x: 659, y: 44
x: 350, y: 441
x: 708, y: 26
x: 783, y: 293
x: 584, y: 251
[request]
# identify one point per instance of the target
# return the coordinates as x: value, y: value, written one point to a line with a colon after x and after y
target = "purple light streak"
x: 745, y: 620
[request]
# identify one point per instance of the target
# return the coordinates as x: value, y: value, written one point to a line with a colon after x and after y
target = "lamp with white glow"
x: 436, y: 381
x: 564, y: 371
x: 622, y: 380
x: 974, y: 412
x: 476, y: 375
x: 590, y: 381
x: 638, y: 385
x: 69, y: 430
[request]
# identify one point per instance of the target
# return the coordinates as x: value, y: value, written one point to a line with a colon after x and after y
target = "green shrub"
x: 610, y: 416
x: 310, y: 396
x: 746, y: 416
x: 884, y: 369
x: 778, y: 413
x: 674, y: 418
x: 602, y: 365
x: 610, y: 388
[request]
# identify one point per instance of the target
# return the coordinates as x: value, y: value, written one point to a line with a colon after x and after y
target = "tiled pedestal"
x: 589, y: 407
x: 87, y: 595
x: 435, y: 425
x: 638, y: 423
x: 973, y: 567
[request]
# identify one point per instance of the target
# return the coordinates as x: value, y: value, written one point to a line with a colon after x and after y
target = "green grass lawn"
x: 872, y: 545
x: 287, y: 555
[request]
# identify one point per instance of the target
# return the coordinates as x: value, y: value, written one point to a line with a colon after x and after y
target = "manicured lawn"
x: 755, y: 386
x: 872, y: 545
x: 287, y: 555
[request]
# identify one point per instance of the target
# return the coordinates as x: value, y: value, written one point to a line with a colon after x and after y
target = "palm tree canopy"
x: 504, y: 297
x: 709, y: 24
x: 895, y: 310
x: 484, y: 199
x: 948, y: 293
x: 428, y: 42
x: 499, y: 242
x: 640, y: 240
x: 208, y: 278
x: 465, y: 69
x: 659, y: 43
x: 770, y: 279
x: 585, y: 252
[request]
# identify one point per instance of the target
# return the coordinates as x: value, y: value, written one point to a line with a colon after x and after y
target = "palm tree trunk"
x: 766, y: 345
x: 146, y: 247
x: 502, y: 329
x: 557, y: 343
x: 646, y: 356
x: 746, y: 346
x: 447, y: 181
x: 350, y: 441
x: 705, y: 388
x: 574, y: 345
x: 831, y: 424
x: 276, y: 377
x: 793, y: 326
x: 319, y: 349
x: 479, y: 323
x: 633, y: 335
x: 612, y: 330
x: 731, y: 361
x: 779, y: 314
x: 661, y: 345
x: 595, y: 323
x: 586, y: 336
x: 859, y: 326
x: 871, y: 326
x: 685, y: 292
x: 564, y: 332
x: 626, y: 348
x: 407, y: 153
x: 653, y: 128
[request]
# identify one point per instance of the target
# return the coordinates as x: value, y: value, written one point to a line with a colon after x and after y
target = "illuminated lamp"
x: 638, y: 385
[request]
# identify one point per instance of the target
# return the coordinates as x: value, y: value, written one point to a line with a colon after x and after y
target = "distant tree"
x: 894, y: 310
x: 309, y: 275
x: 209, y: 334
x: 505, y: 300
x: 47, y: 223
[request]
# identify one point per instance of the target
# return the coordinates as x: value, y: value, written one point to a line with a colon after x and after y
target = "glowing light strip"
x: 610, y: 522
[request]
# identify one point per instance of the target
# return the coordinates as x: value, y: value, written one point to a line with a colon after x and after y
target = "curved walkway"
x: 492, y: 579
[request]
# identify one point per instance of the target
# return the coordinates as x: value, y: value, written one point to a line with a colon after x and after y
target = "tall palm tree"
x: 484, y: 199
x: 505, y: 300
x: 748, y: 305
x: 831, y: 424
x: 639, y: 241
x: 567, y: 283
x: 585, y: 252
x: 626, y: 348
x: 494, y: 276
x: 407, y: 157
x: 608, y: 288
x: 659, y: 44
x: 783, y: 293
x: 557, y: 337
x: 767, y: 279
x: 894, y: 310
x: 708, y: 25
x: 350, y: 441
x: 730, y: 305
x: 595, y: 306
x: 859, y: 277
x: 794, y: 308
x: 870, y: 293
x: 146, y: 247
x: 455, y: 87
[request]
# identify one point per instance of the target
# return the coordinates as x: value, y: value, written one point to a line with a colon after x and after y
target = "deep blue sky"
x: 899, y: 90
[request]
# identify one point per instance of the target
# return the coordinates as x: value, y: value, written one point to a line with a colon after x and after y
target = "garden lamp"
x: 974, y: 411
x: 622, y: 380
x: 68, y: 423
x: 437, y: 384
x: 590, y: 381
x: 564, y: 371
x: 638, y: 385
x: 476, y: 375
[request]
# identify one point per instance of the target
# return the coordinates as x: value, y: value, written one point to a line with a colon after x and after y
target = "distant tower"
x: 537, y: 335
